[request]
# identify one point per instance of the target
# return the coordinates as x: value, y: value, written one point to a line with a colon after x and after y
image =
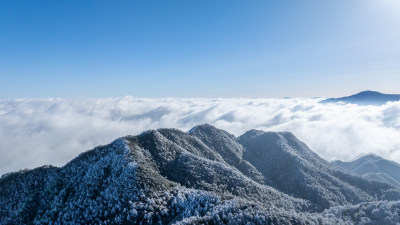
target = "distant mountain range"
x: 365, y: 98
x: 373, y: 167
x: 203, y: 176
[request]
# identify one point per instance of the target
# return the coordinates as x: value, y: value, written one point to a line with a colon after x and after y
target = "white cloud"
x: 53, y: 131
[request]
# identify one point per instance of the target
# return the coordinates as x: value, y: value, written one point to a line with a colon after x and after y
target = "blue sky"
x: 198, y: 48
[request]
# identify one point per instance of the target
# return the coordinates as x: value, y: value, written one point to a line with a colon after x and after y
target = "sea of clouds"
x: 35, y: 132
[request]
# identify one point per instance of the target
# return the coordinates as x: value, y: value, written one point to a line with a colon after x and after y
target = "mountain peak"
x: 373, y: 166
x: 276, y: 134
x: 369, y: 92
x: 271, y: 136
x: 204, y: 126
x: 365, y: 98
x: 367, y: 156
x: 207, y: 129
x: 252, y: 133
x: 278, y: 143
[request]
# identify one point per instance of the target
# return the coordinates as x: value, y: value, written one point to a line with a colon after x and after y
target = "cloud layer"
x: 34, y: 132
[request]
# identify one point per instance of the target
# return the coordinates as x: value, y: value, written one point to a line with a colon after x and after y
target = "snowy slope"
x: 291, y: 167
x: 205, y: 175
x: 374, y: 167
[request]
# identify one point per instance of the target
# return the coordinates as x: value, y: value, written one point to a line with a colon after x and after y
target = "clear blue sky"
x: 198, y: 48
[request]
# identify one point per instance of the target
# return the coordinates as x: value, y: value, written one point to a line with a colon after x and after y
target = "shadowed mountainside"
x: 373, y: 167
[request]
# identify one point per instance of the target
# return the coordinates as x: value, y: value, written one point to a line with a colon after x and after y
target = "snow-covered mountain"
x: 373, y: 167
x: 205, y: 175
x: 291, y: 167
x: 365, y: 98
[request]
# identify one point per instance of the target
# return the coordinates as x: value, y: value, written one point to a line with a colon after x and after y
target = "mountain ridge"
x: 374, y: 167
x: 205, y: 175
x: 365, y: 98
